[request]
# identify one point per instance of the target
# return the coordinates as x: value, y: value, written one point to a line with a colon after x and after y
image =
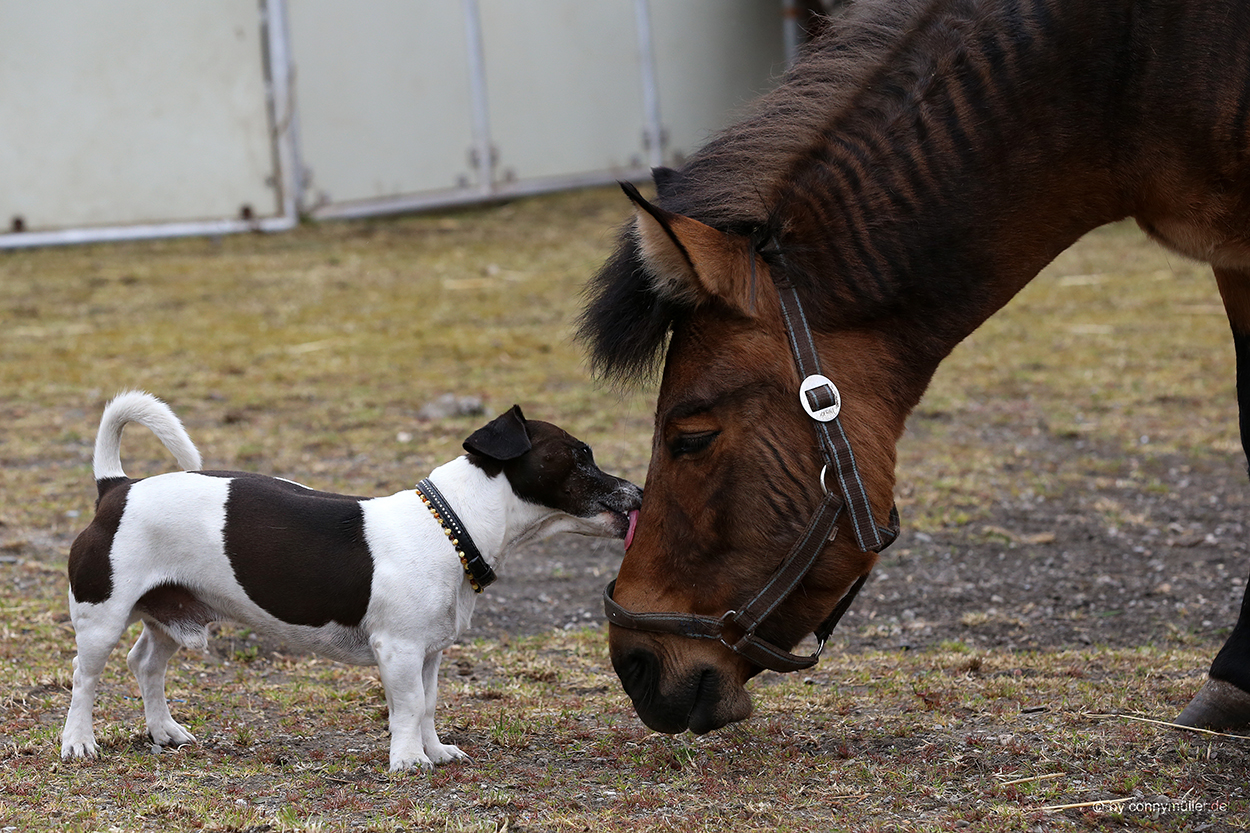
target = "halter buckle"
x: 820, y: 398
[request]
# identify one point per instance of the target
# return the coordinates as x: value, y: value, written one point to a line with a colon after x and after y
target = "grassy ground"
x: 308, y: 355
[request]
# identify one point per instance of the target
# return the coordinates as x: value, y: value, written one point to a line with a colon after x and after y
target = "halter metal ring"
x: 725, y: 619
x: 823, y: 470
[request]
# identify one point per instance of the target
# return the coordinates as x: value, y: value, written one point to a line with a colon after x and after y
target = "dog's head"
x: 548, y: 467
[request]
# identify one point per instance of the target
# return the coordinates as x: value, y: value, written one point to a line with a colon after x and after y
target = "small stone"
x: 449, y: 405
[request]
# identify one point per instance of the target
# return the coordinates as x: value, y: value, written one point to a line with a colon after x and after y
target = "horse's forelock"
x: 625, y: 323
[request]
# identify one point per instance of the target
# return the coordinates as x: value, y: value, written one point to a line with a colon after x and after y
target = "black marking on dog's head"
x: 503, y: 438
x: 560, y: 472
x: 90, y: 568
x: 548, y: 466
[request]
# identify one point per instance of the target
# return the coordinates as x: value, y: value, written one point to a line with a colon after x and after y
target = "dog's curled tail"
x: 150, y: 412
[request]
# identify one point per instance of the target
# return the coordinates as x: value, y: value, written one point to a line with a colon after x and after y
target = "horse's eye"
x: 687, y: 444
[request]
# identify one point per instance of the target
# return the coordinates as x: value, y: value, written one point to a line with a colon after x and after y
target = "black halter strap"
x: 820, y: 398
x: 735, y: 629
x: 478, y: 571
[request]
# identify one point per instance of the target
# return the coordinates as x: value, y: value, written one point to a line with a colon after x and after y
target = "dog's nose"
x: 626, y: 495
x: 635, y: 498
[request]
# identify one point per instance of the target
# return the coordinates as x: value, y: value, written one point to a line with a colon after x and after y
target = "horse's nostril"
x: 639, y: 671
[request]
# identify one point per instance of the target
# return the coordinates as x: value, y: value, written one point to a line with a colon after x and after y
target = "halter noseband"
x: 735, y: 629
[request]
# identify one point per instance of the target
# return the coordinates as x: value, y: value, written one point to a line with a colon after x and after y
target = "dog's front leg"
x: 439, y: 752
x: 401, y: 665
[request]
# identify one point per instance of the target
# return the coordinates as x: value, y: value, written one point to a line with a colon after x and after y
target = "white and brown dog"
x: 388, y: 581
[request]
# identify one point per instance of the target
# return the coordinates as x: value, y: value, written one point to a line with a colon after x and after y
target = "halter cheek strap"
x: 820, y: 398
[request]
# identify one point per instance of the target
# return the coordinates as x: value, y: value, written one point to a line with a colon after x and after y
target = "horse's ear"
x: 690, y: 262
x: 663, y: 178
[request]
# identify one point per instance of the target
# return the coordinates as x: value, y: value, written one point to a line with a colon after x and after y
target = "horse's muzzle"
x: 700, y: 699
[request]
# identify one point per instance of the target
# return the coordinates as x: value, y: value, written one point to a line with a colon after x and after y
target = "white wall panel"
x: 564, y: 87
x: 383, y: 95
x: 132, y: 111
x: 712, y: 58
x: 125, y: 118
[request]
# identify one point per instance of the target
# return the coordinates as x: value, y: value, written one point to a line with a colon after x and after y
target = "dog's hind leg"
x: 439, y: 752
x: 97, y: 628
x: 148, y: 660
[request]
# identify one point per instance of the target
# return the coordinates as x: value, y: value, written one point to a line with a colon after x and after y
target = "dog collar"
x: 478, y: 571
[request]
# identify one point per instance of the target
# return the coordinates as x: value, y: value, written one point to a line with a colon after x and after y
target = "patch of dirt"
x: 1151, y: 550
x: 556, y: 583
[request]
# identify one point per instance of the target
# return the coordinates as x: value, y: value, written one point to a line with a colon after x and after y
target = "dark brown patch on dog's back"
x: 90, y: 570
x: 298, y: 553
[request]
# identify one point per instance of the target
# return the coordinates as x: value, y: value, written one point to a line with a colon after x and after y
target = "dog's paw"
x: 170, y: 734
x: 445, y: 752
x: 85, y: 748
x: 410, y: 763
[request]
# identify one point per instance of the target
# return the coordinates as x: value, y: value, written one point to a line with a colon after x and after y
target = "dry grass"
x: 884, y: 741
x: 308, y: 355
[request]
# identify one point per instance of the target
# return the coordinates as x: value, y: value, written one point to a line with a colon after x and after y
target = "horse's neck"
x: 950, y: 187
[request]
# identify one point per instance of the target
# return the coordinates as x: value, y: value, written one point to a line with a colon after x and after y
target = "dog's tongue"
x: 633, y: 524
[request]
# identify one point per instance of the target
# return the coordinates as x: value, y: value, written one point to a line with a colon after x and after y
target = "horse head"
x: 736, y: 470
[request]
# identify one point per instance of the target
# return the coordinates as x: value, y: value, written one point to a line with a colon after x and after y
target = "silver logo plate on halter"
x: 813, y: 383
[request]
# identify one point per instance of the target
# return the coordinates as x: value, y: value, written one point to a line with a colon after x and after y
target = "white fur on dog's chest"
x: 419, y: 584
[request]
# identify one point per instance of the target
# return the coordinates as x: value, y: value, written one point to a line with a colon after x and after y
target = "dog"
x: 387, y: 581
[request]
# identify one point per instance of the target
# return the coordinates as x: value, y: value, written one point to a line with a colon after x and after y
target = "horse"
x: 795, y: 284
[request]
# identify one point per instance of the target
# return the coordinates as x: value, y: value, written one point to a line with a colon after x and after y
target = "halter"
x: 735, y: 629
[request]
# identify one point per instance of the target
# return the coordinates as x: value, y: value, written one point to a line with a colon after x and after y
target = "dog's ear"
x: 503, y: 438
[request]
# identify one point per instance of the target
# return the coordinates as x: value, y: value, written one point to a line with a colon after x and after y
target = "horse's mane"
x: 733, y: 183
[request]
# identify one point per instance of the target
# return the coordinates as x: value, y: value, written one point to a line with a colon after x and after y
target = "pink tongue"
x: 633, y: 524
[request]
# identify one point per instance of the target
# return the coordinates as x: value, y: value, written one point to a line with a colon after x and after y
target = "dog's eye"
x: 689, y: 444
